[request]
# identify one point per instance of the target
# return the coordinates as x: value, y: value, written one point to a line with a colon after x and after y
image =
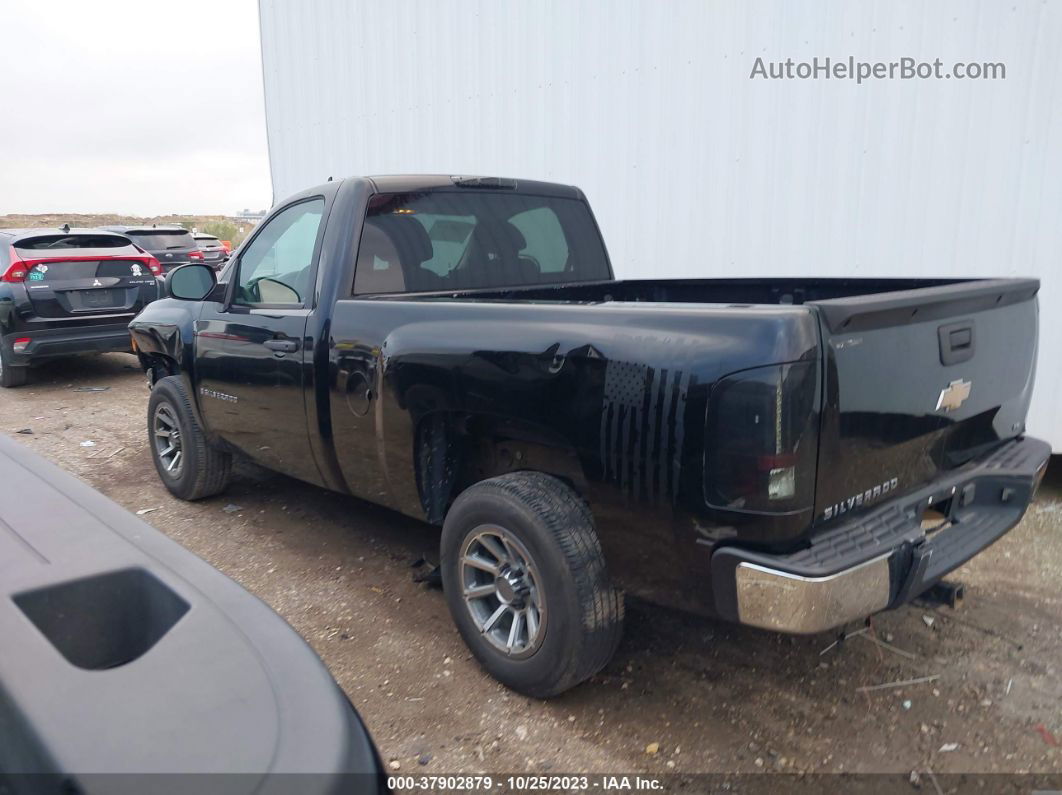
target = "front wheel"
x: 526, y: 583
x: 189, y: 467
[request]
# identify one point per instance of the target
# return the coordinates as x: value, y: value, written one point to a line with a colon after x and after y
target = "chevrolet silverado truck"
x: 791, y: 454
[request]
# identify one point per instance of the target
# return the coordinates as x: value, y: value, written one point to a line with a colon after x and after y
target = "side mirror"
x: 191, y: 282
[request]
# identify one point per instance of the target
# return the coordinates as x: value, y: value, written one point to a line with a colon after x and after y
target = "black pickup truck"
x: 792, y: 454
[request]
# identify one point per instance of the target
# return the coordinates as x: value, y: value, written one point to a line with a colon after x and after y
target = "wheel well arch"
x: 455, y: 449
x: 158, y: 365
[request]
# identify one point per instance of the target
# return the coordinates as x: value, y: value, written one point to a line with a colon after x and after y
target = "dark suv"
x: 65, y: 291
x: 170, y: 245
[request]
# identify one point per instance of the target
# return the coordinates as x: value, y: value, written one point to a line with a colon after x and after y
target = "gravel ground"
x: 683, y: 694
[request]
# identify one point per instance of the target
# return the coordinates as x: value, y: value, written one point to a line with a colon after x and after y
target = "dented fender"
x: 166, y: 330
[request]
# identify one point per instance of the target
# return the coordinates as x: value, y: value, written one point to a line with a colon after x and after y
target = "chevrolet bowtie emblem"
x: 953, y: 395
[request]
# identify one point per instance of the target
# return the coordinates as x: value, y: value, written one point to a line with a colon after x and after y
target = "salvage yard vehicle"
x: 791, y: 454
x: 172, y: 246
x: 124, y: 653
x: 214, y: 251
x: 66, y: 291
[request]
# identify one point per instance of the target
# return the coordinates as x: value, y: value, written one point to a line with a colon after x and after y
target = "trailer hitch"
x: 944, y: 593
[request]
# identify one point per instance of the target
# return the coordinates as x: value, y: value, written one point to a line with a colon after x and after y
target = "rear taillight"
x: 17, y: 270
x: 762, y: 439
x: 195, y: 255
x: 20, y: 344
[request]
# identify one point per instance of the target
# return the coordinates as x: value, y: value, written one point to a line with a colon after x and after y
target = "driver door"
x: 251, y: 348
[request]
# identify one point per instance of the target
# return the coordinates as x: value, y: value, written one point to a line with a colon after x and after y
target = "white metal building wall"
x: 693, y: 168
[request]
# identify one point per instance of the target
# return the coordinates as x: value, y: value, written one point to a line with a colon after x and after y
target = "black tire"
x: 10, y: 375
x: 583, y: 611
x: 202, y: 471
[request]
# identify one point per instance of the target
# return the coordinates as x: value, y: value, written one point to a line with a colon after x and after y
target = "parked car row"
x: 69, y: 291
x: 174, y: 246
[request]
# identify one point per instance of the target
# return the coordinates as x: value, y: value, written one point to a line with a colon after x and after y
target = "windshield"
x: 445, y: 240
x: 162, y: 239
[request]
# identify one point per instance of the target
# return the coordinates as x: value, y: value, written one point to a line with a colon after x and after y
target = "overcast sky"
x: 131, y: 107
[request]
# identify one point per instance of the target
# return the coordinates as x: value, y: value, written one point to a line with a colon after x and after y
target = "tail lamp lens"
x: 153, y: 265
x: 20, y: 344
x: 781, y: 483
x: 195, y: 255
x: 762, y: 439
x: 17, y: 270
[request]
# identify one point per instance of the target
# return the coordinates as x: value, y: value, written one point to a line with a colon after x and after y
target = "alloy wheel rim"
x: 166, y: 434
x: 502, y: 591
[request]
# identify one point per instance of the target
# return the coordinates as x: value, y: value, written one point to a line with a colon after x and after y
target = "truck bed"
x: 886, y: 361
x: 698, y: 291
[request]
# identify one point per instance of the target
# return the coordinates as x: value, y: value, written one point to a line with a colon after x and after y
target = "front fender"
x: 166, y: 330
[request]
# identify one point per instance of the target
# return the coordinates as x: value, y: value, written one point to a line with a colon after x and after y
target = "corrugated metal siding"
x: 694, y: 169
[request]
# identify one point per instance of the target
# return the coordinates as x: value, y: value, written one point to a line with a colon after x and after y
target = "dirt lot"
x: 714, y: 697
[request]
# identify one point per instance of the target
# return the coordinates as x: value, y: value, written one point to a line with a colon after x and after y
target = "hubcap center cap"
x: 512, y: 587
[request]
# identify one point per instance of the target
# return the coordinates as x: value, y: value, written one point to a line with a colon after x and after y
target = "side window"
x: 547, y: 248
x: 275, y: 266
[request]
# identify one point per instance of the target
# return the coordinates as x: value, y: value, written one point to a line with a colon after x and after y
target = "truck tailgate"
x: 919, y: 382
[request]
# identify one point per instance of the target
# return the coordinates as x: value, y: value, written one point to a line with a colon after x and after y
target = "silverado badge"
x: 953, y: 395
x: 859, y: 500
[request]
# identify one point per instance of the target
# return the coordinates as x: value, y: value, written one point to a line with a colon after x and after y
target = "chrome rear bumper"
x: 778, y: 600
x: 882, y: 558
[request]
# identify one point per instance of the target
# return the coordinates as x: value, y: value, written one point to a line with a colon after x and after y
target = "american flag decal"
x: 642, y: 429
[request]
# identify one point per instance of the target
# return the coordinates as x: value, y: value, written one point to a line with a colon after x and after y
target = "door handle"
x: 282, y: 346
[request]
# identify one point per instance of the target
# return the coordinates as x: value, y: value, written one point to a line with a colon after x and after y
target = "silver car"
x: 214, y: 252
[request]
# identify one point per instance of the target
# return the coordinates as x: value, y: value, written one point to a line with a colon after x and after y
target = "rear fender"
x: 453, y: 450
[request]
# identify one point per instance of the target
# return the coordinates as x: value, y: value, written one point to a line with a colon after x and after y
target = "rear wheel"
x: 189, y: 467
x: 10, y: 375
x: 526, y: 583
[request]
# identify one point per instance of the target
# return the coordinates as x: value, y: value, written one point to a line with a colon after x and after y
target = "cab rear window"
x: 460, y: 240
